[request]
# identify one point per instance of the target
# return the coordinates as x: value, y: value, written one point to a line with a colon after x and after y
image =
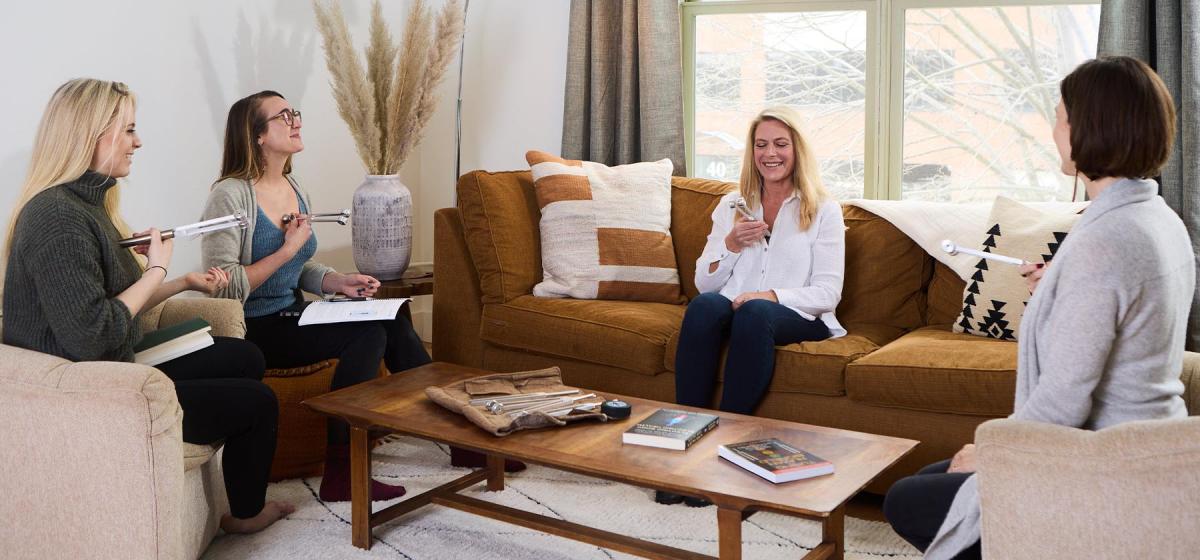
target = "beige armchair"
x: 1129, y: 491
x: 92, y: 457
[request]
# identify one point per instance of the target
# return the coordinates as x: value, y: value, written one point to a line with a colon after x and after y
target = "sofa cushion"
x: 933, y: 369
x: 816, y: 368
x: 886, y: 273
x: 944, y: 299
x: 627, y: 335
x: 596, y: 242
x: 500, y: 218
x: 692, y: 204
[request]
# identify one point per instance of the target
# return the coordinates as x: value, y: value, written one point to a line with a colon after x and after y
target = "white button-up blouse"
x: 805, y: 269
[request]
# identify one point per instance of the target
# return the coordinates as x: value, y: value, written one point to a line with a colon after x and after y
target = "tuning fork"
x: 521, y: 397
x: 339, y: 217
x: 497, y: 408
x: 555, y: 404
x: 552, y: 408
x: 739, y: 204
x: 191, y: 230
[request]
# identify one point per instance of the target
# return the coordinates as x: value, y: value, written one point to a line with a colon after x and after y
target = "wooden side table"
x: 407, y: 288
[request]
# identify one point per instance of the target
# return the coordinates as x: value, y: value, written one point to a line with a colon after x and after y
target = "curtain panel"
x: 1166, y: 35
x: 624, y: 93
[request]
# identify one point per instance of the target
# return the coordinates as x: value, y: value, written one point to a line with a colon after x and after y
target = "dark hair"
x: 1122, y: 118
x: 243, y: 158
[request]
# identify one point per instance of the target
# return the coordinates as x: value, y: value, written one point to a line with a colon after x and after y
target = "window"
x: 953, y: 101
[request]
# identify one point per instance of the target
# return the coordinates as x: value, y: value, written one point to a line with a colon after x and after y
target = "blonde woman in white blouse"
x: 764, y: 282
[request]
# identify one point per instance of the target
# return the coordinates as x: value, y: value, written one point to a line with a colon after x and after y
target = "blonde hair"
x: 78, y: 114
x: 806, y: 175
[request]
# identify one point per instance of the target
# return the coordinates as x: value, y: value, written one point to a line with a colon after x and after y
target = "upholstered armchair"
x: 1129, y: 491
x: 92, y: 456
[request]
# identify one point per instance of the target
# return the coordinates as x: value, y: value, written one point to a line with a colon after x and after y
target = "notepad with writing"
x: 163, y: 345
x: 320, y: 312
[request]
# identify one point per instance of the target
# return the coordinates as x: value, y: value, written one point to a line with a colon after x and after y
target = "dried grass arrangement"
x: 387, y: 104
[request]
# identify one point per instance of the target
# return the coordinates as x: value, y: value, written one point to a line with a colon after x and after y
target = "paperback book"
x: 671, y: 429
x: 163, y: 345
x: 775, y: 460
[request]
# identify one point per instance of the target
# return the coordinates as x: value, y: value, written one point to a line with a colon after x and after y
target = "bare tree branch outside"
x: 979, y: 93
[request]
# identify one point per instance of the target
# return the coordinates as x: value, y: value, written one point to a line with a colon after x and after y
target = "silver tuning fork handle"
x: 190, y: 230
x: 339, y: 217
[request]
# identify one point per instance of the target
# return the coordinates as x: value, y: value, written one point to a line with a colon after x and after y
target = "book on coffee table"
x: 775, y: 460
x: 163, y: 345
x: 671, y: 429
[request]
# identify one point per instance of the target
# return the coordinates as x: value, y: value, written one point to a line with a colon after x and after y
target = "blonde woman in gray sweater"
x: 1102, y: 339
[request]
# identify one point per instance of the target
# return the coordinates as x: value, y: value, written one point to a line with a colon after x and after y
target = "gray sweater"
x: 230, y: 249
x: 1102, y: 339
x: 64, y: 273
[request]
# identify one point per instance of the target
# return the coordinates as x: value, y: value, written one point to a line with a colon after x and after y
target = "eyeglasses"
x: 290, y: 117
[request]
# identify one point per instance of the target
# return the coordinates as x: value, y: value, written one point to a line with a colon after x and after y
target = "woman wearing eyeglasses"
x: 270, y: 262
x: 72, y: 291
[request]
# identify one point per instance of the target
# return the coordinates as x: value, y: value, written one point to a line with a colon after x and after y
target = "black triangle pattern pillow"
x: 995, y: 297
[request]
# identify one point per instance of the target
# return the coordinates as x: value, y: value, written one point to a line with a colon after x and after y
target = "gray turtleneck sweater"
x: 64, y: 272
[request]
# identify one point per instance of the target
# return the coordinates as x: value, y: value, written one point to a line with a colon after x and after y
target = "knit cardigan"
x: 65, y: 270
x: 230, y: 249
x: 1102, y: 339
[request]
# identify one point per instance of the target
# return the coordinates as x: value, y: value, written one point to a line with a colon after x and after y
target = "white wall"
x: 189, y: 61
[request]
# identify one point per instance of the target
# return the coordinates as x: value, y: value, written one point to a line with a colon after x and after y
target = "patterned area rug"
x: 321, y: 530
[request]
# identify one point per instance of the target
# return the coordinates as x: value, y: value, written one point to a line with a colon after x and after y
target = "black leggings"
x: 358, y: 347
x: 917, y: 505
x: 222, y: 395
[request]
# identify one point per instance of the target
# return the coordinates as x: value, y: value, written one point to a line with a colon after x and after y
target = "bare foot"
x: 271, y: 512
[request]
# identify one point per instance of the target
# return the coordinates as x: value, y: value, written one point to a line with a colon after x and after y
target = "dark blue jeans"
x: 753, y: 331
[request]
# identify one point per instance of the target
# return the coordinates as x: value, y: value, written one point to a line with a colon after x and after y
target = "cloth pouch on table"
x: 457, y: 398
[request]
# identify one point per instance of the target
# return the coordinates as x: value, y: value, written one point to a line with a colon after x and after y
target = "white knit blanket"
x: 928, y: 223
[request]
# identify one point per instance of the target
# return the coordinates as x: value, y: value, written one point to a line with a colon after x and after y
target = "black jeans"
x: 222, y: 395
x: 358, y: 347
x: 917, y: 505
x: 753, y: 331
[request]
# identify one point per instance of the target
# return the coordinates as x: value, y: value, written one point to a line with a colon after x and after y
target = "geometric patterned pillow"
x: 995, y: 297
x: 606, y: 231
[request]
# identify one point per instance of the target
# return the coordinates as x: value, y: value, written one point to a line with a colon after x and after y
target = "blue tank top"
x: 280, y: 289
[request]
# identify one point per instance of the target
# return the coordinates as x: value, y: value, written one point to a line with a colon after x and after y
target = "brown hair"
x: 243, y: 158
x: 1122, y: 118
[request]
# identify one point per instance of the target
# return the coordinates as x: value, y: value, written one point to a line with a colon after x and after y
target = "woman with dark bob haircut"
x: 1102, y: 339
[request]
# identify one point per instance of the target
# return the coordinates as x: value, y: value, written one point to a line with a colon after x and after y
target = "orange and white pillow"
x: 606, y: 231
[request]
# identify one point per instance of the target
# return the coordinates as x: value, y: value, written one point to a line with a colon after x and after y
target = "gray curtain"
x: 1166, y: 35
x: 624, y: 95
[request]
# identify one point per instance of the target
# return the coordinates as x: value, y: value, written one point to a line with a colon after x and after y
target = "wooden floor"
x: 863, y: 506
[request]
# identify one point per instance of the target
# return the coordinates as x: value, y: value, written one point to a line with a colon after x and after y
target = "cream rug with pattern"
x: 321, y: 530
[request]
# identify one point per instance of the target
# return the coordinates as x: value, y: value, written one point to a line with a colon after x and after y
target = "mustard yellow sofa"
x: 900, y: 371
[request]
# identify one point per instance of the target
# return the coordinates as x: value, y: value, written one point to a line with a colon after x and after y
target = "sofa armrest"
x: 96, y: 465
x: 458, y: 299
x: 1191, y: 382
x: 225, y: 315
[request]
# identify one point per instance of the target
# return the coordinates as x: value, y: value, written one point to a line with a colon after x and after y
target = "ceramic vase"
x: 381, y: 227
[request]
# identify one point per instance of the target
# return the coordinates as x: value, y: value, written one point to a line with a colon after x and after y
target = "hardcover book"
x: 775, y: 460
x: 163, y: 345
x: 670, y: 429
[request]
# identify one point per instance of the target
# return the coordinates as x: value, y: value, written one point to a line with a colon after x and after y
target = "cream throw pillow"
x: 995, y: 297
x: 606, y: 231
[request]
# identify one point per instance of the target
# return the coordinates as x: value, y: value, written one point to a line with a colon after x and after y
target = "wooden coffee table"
x: 398, y: 404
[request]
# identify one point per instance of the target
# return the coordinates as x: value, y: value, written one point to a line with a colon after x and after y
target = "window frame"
x: 883, y: 144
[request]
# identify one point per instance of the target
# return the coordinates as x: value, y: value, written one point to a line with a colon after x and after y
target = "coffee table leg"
x: 834, y: 531
x: 495, y: 473
x: 729, y: 531
x: 360, y: 488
